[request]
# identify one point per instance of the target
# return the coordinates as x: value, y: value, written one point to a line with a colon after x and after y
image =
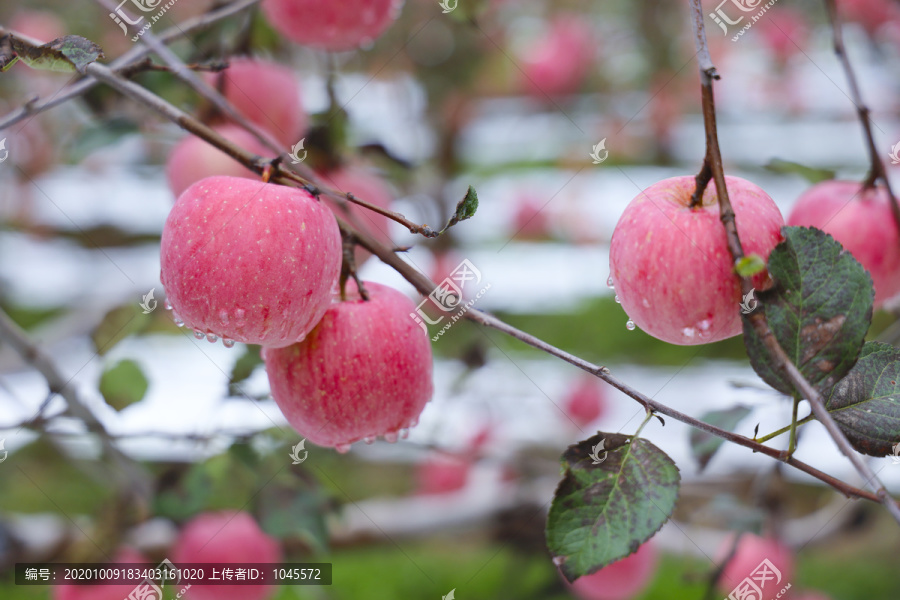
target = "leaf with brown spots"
x: 866, y: 403
x: 602, y: 511
x: 819, y: 310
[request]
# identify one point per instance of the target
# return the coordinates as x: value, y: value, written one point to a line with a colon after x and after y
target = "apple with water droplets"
x: 194, y: 159
x: 364, y: 371
x: 249, y: 261
x: 334, y: 26
x: 670, y: 265
x: 226, y: 537
x: 861, y: 220
x: 267, y: 94
x: 621, y: 580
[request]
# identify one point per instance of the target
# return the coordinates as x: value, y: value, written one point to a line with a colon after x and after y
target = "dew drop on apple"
x: 369, y: 440
x: 609, y: 283
x: 212, y: 338
x: 228, y: 343
x: 168, y: 305
x: 223, y: 317
x: 629, y: 325
x: 391, y: 437
x: 342, y: 448
x: 240, y: 316
x: 178, y: 321
x: 404, y: 433
x: 617, y: 299
x: 689, y: 332
x: 199, y: 334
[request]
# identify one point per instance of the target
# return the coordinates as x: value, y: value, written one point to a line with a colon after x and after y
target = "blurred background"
x: 511, y: 98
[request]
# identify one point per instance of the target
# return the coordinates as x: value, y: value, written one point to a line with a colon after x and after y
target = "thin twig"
x: 757, y: 319
x: 877, y: 169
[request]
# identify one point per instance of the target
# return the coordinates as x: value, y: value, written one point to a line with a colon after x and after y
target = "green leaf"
x: 295, y: 510
x: 819, y: 310
x: 243, y: 369
x: 118, y: 324
x: 123, y: 384
x: 750, y: 265
x: 811, y: 174
x: 703, y: 444
x: 66, y: 54
x: 602, y: 512
x: 465, y: 209
x: 866, y: 403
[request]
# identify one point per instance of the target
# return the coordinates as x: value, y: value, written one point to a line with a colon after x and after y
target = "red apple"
x: 871, y: 14
x: 334, y: 26
x: 365, y: 186
x: 442, y: 474
x: 531, y: 221
x: 751, y: 551
x: 124, y: 556
x: 226, y: 537
x: 249, y: 261
x: 785, y: 32
x: 862, y: 222
x: 670, y: 264
x: 558, y: 63
x: 267, y: 93
x: 585, y: 402
x: 364, y: 371
x: 621, y: 580
x: 42, y: 26
x: 194, y: 159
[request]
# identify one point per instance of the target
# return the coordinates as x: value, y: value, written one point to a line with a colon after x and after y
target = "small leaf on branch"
x: 464, y: 210
x: 66, y: 54
x: 811, y: 174
x: 750, y: 265
x: 123, y: 384
x: 603, y: 511
x: 704, y: 444
x: 243, y: 369
x: 819, y: 310
x: 866, y: 403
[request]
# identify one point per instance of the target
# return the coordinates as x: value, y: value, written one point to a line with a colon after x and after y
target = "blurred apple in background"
x: 558, y: 62
x: 622, y: 580
x: 335, y: 26
x: 785, y: 33
x: 194, y: 159
x: 751, y: 551
x: 862, y: 222
x: 586, y: 401
x: 365, y: 186
x: 531, y: 220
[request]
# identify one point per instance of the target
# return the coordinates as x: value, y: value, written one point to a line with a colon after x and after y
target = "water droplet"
x: 223, y: 317
x: 609, y: 283
x: 212, y: 338
x: 688, y: 332
x: 369, y: 440
x: 413, y: 423
x: 617, y: 299
x: 705, y: 324
x: 646, y: 303
x: 629, y: 325
x: 228, y: 343
x: 240, y: 316
x: 168, y: 305
x: 199, y: 334
x: 178, y: 321
x: 391, y: 437
x: 342, y: 448
x: 404, y: 433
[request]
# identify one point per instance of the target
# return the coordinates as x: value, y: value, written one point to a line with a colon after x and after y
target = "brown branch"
x: 877, y: 169
x: 757, y: 319
x: 424, y: 285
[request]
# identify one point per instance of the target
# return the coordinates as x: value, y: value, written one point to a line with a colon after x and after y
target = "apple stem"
x: 877, y: 170
x: 348, y: 267
x: 703, y: 178
x: 757, y: 319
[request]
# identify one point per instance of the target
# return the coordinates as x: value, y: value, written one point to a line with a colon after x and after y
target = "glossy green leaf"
x: 123, y: 384
x: 703, y: 444
x: 66, y: 54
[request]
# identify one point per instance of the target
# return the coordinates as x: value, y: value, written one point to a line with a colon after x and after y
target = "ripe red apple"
x: 871, y: 14
x: 365, y: 186
x: 267, y: 93
x: 621, y: 580
x: 364, y: 371
x: 68, y: 591
x: 751, y: 551
x: 42, y: 26
x: 670, y: 264
x: 531, y: 221
x: 442, y: 474
x: 194, y: 159
x: 334, y: 26
x: 785, y: 33
x: 249, y: 261
x: 558, y: 62
x: 862, y: 222
x: 586, y: 401
x: 226, y: 537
